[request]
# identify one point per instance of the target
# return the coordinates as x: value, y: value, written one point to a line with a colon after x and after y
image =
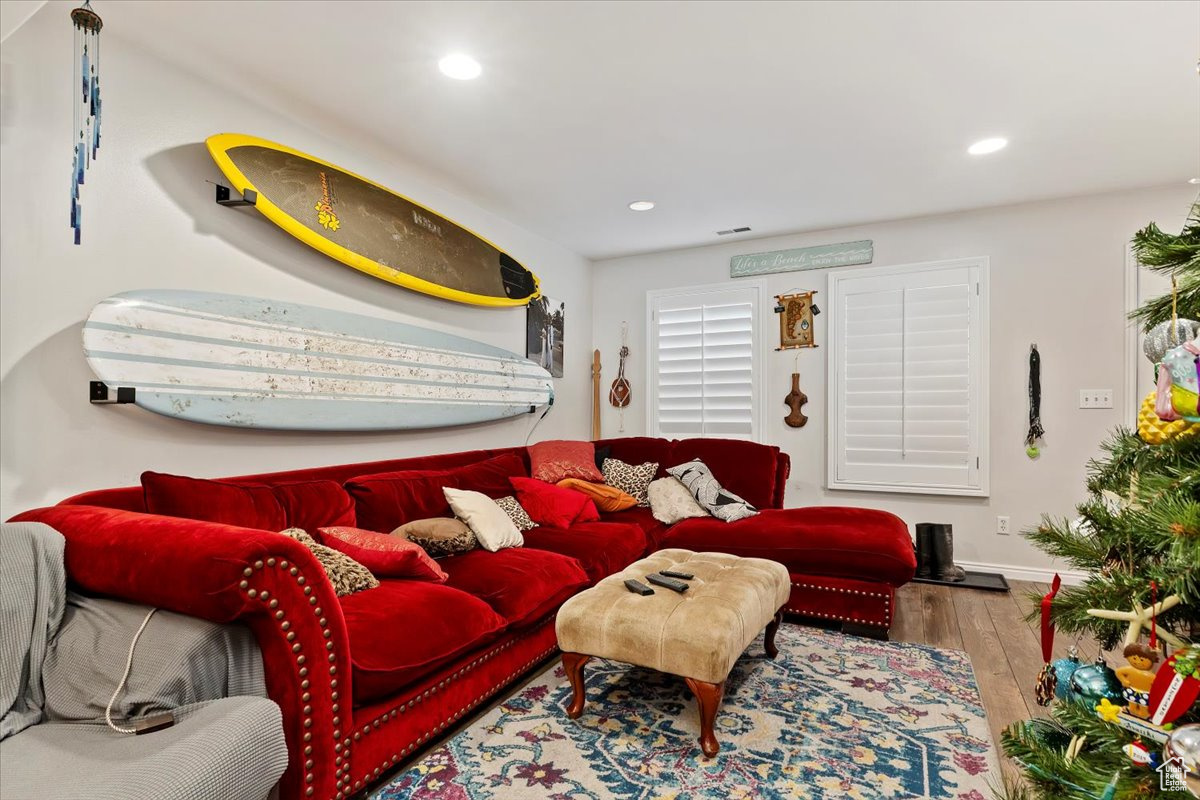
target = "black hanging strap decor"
x: 1036, y: 431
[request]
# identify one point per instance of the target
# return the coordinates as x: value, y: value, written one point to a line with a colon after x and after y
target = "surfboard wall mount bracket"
x: 228, y: 197
x: 98, y: 394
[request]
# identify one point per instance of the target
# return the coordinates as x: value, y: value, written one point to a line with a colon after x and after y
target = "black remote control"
x: 637, y: 587
x: 670, y: 573
x: 669, y: 583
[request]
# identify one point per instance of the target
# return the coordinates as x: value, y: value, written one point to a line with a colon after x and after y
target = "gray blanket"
x: 33, y: 584
x: 179, y: 660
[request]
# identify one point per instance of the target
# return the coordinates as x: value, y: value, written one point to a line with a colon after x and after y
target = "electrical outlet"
x: 1002, y: 526
x: 1095, y: 398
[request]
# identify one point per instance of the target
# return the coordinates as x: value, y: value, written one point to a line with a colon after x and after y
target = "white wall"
x: 1057, y: 278
x: 150, y: 222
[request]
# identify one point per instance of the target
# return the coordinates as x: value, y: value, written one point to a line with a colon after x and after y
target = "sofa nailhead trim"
x: 462, y: 712
x: 886, y: 622
x: 302, y: 671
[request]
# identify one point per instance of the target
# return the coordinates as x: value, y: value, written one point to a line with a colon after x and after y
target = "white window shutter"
x: 907, y: 367
x: 703, y: 362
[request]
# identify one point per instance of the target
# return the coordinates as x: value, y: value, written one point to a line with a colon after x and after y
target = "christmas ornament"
x: 1162, y: 338
x: 1036, y: 432
x: 1176, y: 686
x: 1137, y: 676
x: 1107, y: 711
x: 1140, y: 754
x: 1064, y: 668
x: 1139, y: 618
x: 1184, y: 744
x: 1153, y: 430
x: 1047, y: 679
x: 1095, y: 682
x: 1178, y: 384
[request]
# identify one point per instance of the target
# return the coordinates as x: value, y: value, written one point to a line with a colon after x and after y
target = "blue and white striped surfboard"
x: 230, y: 360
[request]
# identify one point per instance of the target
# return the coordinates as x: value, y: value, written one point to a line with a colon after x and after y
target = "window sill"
x: 951, y: 491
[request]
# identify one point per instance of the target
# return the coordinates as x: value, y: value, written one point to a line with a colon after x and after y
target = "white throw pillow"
x: 487, y: 521
x: 670, y: 501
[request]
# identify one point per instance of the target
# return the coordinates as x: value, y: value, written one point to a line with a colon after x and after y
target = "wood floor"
x: 1005, y: 650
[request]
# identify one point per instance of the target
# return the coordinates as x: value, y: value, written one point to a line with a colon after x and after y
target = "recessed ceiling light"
x: 1193, y: 180
x: 460, y: 66
x: 985, y: 146
x: 641, y: 205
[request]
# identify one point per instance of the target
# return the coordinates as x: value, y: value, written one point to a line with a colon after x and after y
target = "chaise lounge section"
x: 366, y: 680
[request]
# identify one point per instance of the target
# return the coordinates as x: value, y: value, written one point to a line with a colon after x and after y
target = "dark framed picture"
x: 544, y: 333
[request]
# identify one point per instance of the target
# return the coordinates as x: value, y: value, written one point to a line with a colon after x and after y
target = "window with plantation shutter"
x: 703, y: 365
x: 908, y: 378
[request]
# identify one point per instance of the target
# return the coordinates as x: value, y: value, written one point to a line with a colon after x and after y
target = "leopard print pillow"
x: 517, y: 513
x: 439, y: 536
x: 630, y: 479
x: 347, y: 575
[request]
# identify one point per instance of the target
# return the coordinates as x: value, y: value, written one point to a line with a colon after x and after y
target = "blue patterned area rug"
x: 832, y: 717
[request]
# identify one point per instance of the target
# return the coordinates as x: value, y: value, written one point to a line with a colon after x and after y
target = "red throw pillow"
x: 386, y: 556
x: 559, y: 459
x: 213, y: 501
x: 386, y: 500
x: 551, y: 506
x: 312, y: 504
x: 302, y: 504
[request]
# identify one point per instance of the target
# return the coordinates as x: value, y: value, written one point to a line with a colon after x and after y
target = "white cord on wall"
x: 125, y: 677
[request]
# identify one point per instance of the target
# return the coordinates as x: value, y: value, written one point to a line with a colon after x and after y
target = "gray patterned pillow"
x: 630, y: 479
x: 721, y: 503
x: 347, y: 575
x: 517, y: 513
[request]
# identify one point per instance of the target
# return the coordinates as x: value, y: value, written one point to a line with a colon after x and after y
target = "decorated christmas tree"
x: 1137, y: 537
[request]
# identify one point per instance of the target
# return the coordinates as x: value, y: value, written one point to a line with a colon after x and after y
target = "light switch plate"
x: 1095, y: 398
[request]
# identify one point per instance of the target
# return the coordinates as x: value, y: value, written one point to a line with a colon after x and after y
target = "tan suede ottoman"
x: 698, y: 634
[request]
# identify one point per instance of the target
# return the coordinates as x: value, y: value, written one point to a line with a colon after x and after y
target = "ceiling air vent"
x: 733, y: 230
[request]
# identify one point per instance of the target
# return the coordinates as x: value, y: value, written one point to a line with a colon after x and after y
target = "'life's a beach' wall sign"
x: 821, y: 256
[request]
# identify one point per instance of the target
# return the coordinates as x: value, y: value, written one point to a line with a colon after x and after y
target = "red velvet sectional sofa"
x: 366, y: 680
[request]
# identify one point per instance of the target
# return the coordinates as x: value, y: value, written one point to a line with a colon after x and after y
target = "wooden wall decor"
x: 595, y: 394
x: 796, y: 313
x: 795, y: 400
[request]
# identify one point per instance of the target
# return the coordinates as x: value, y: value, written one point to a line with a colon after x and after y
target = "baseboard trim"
x: 1014, y: 573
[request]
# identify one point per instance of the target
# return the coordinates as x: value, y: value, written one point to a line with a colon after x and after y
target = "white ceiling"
x: 781, y: 116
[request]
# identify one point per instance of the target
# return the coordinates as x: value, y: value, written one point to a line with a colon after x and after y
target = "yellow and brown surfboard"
x: 371, y: 228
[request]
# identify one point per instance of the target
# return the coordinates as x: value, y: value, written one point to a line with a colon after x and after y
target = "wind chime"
x: 86, y: 129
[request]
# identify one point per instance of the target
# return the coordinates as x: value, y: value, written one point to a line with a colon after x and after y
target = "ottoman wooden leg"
x: 573, y: 664
x: 769, y: 637
x: 708, y: 695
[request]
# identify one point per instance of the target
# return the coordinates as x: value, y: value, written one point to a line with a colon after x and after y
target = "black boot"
x: 944, y: 568
x: 925, y: 549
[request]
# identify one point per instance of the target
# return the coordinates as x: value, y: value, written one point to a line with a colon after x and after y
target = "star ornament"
x: 1107, y: 711
x: 1139, y: 618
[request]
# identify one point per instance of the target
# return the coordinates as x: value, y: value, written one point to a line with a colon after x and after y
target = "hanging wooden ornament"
x: 86, y: 129
x: 795, y: 400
